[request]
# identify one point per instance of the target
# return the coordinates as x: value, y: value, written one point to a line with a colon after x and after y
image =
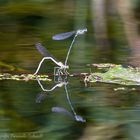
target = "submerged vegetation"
x: 111, y: 110
x: 104, y: 73
x: 23, y: 77
x: 116, y: 74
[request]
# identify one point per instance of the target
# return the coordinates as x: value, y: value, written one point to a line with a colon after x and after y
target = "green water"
x: 111, y: 111
x: 108, y: 113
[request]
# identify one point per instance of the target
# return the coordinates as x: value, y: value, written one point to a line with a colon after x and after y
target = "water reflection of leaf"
x: 40, y: 97
x: 23, y: 77
x: 117, y: 75
x: 7, y: 67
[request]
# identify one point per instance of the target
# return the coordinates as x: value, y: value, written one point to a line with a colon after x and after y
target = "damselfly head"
x: 79, y: 118
x: 81, y: 31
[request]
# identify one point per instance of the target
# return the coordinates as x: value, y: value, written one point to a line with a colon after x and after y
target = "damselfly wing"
x: 63, y: 36
x: 61, y: 110
x: 40, y: 97
x: 44, y: 51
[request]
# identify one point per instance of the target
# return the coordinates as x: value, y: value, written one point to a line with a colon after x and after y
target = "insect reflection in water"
x: 57, y: 109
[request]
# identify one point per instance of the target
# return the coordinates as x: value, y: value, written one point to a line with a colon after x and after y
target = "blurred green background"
x: 112, y: 37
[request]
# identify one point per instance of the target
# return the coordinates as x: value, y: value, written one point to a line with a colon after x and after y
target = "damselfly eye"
x: 79, y: 118
x: 81, y: 31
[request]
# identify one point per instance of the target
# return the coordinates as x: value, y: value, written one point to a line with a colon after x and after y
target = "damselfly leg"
x: 59, y: 72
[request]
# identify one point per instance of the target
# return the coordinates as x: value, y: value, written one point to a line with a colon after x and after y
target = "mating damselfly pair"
x: 61, y: 68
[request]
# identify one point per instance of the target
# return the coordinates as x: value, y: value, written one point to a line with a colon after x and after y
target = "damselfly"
x: 62, y: 68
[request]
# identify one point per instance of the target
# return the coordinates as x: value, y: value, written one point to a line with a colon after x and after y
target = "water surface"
x: 110, y: 112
